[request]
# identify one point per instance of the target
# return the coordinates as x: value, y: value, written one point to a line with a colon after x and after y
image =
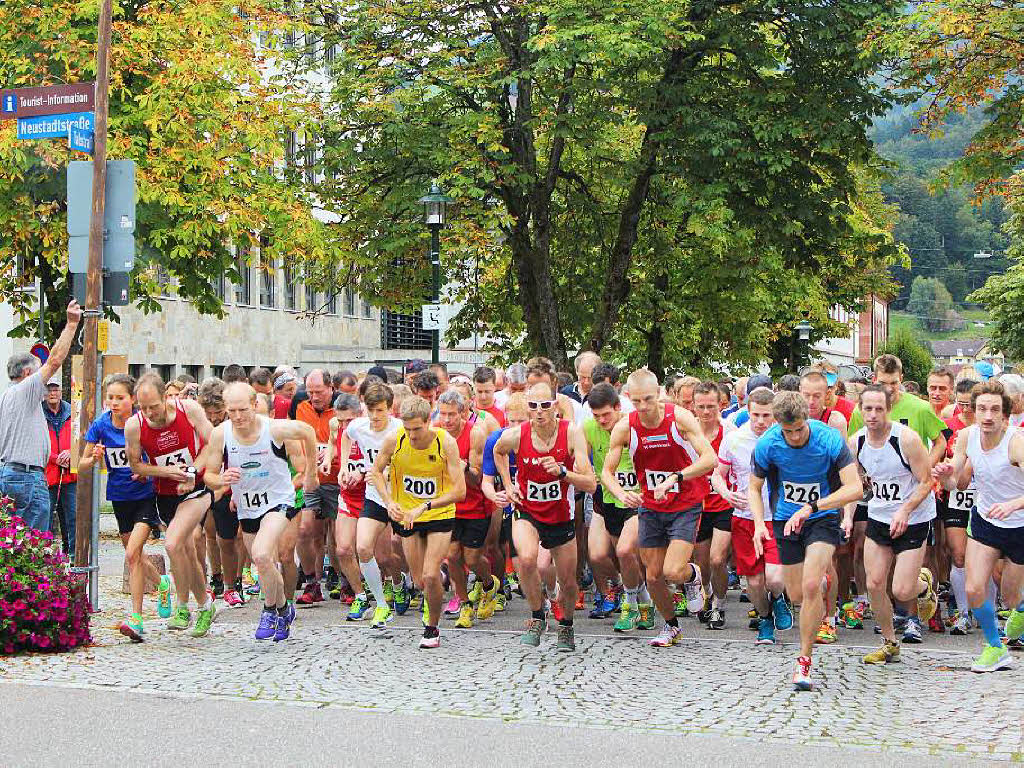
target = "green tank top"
x: 599, y: 442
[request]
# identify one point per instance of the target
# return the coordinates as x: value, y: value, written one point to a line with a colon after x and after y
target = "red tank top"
x: 498, y: 414
x: 472, y: 507
x: 546, y: 498
x: 713, y: 502
x: 659, y: 451
x: 354, y: 495
x: 177, y: 444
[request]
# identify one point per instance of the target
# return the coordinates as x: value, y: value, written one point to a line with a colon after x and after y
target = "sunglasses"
x: 539, y: 405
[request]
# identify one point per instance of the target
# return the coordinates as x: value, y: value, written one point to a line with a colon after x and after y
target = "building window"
x: 195, y: 371
x: 166, y: 371
x: 309, y: 158
x: 163, y: 280
x: 268, y: 279
x: 311, y: 303
x: 399, y: 331
x: 367, y: 309
x: 135, y: 370
x: 350, y: 303
x: 243, y: 286
x: 290, y: 289
x: 332, y: 303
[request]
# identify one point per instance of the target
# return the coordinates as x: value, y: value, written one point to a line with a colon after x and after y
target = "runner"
x: 682, y: 391
x: 765, y: 582
x: 954, y: 509
x: 993, y: 452
x: 671, y: 457
x: 171, y: 435
x: 484, y: 385
x: 133, y: 501
x: 472, y: 518
x: 544, y: 505
x: 373, y: 549
x: 941, y: 385
x: 613, y: 529
x: 811, y: 476
x: 426, y: 481
x: 714, y: 534
x: 248, y: 453
x: 353, y: 468
x: 515, y: 382
x: 900, y: 514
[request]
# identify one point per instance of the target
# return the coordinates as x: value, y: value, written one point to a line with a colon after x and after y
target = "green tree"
x: 1003, y: 295
x: 917, y: 360
x: 932, y: 304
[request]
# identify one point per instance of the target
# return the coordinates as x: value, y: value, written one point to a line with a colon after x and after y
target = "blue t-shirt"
x: 742, y: 417
x: 120, y: 486
x: 489, y: 468
x: 798, y: 476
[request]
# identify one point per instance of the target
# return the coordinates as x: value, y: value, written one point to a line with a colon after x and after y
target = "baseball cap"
x: 985, y: 370
x: 55, y: 381
x: 830, y: 377
x: 757, y: 381
x: 414, y: 366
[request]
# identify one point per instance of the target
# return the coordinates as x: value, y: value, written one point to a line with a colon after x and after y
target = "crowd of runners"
x: 826, y: 502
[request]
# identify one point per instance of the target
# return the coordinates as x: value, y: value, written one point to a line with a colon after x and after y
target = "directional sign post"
x: 53, y: 126
x: 81, y: 139
x: 433, y: 317
x: 47, y: 100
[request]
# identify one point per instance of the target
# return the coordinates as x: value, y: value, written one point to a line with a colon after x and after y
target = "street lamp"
x: 803, y: 338
x: 803, y: 329
x: 435, y: 214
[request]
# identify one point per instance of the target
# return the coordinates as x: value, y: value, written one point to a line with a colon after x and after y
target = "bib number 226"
x: 801, y: 493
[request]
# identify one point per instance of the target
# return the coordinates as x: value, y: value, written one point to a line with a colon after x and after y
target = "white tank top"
x: 370, y: 443
x: 892, y: 480
x: 266, y: 481
x: 997, y: 479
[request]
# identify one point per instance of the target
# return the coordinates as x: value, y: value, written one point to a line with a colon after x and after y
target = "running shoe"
x: 716, y: 620
x: 389, y: 593
x: 993, y: 659
x: 961, y: 624
x: 310, y: 595
x: 416, y: 601
x: 425, y: 613
x: 765, y: 631
x: 513, y: 584
x: 781, y: 614
x: 629, y: 617
x: 588, y: 577
x: 401, y: 600
x: 556, y: 610
x: 566, y: 640
x: 163, y: 591
x: 851, y: 617
x: 181, y: 619
x: 694, y: 591
x: 734, y: 580
x: 347, y: 595
x: 282, y: 629
x: 927, y: 603
x: 534, y: 629
x: 335, y: 589
x: 217, y: 584
x: 682, y: 609
x: 668, y: 636
x: 580, y: 600
x: 204, y: 619
x: 465, y: 620
x: 476, y: 593
x: 802, y: 674
x: 826, y: 633
x: 247, y: 579
x: 754, y: 622
x: 744, y: 597
x: 268, y: 624
x: 912, y: 631
x: 604, y: 606
x: 290, y: 605
x: 453, y: 606
x: 381, y: 616
x: 646, y: 620
x: 232, y: 599
x: 500, y: 602
x: 889, y: 653
x: 488, y: 602
x: 1015, y: 625
x: 360, y: 607
x: 431, y: 638
x: 253, y: 589
x: 704, y: 616
x: 936, y: 624
x: 1016, y: 645
x: 131, y: 627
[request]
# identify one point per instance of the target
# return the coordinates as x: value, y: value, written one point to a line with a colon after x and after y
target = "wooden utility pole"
x: 84, y: 533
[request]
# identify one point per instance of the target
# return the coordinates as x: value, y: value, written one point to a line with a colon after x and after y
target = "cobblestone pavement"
x: 929, y: 704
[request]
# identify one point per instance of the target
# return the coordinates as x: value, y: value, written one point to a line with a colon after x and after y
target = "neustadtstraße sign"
x: 47, y: 100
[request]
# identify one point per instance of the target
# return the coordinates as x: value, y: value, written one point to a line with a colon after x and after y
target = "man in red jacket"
x: 59, y: 477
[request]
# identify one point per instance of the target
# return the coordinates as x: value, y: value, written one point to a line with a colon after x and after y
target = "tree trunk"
x: 656, y: 334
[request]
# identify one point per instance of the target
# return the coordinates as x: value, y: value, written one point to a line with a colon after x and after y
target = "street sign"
x: 119, y: 203
x: 433, y: 317
x: 40, y: 350
x: 116, y: 288
x: 118, y: 253
x: 47, y: 100
x: 81, y: 139
x: 53, y: 126
x: 103, y: 336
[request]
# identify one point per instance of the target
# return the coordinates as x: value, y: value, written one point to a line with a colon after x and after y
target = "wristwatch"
x: 563, y: 473
x: 814, y: 507
x: 428, y: 504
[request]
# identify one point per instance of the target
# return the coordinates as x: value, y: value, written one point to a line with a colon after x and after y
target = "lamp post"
x: 803, y: 332
x: 435, y: 213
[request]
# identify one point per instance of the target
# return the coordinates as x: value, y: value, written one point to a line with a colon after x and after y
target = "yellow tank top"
x: 420, y: 475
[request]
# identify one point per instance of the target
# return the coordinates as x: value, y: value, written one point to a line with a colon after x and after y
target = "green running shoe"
x: 534, y: 629
x: 181, y: 619
x: 381, y: 616
x: 204, y: 620
x: 1015, y: 625
x: 475, y: 594
x: 163, y: 591
x: 629, y: 616
x: 993, y: 658
x: 426, y: 613
x: 131, y: 627
x: 646, y: 620
x: 566, y: 639
x: 389, y: 593
x: 681, y: 605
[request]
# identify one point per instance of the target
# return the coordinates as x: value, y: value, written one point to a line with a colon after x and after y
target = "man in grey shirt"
x: 24, y: 441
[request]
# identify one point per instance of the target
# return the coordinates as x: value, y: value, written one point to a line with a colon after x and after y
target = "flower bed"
x: 42, y: 606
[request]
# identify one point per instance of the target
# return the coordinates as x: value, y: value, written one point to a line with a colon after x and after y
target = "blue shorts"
x: 1008, y: 541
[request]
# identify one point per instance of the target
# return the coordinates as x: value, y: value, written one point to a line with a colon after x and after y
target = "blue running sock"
x: 985, y: 615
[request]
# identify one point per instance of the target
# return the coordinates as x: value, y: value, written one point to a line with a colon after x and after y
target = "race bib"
x: 627, y: 480
x: 420, y: 487
x: 256, y: 500
x: 179, y: 458
x: 964, y: 500
x: 656, y: 477
x: 800, y: 493
x: 543, y: 491
x: 117, y: 458
x: 356, y: 466
x: 321, y: 451
x: 886, y: 491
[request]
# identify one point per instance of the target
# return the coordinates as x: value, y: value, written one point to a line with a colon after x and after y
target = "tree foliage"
x: 932, y: 304
x: 917, y: 360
